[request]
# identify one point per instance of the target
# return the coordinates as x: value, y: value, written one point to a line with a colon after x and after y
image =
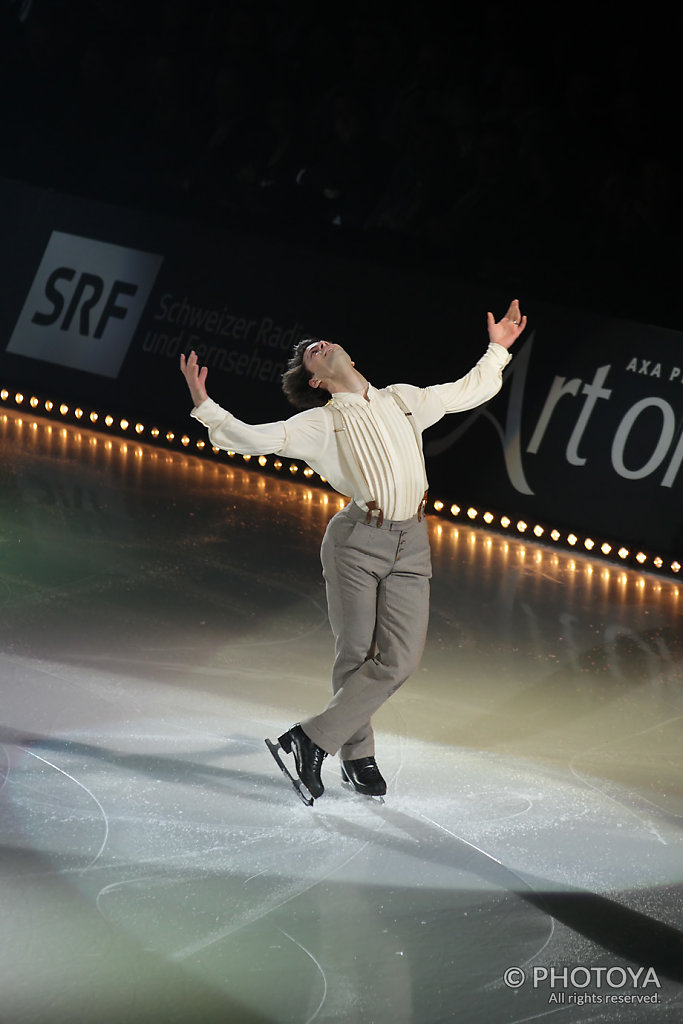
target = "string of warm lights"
x: 613, y: 550
x: 608, y: 549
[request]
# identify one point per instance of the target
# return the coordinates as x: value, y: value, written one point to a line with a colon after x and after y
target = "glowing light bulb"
x: 93, y: 417
x: 124, y: 424
x: 641, y: 557
x: 555, y: 535
x: 139, y: 427
x: 488, y: 517
x: 538, y: 531
x: 472, y: 513
x: 108, y: 420
x: 34, y: 402
x: 505, y: 521
x: 262, y: 460
x: 589, y: 544
x: 521, y: 526
x: 18, y: 398
x: 438, y: 505
x: 623, y: 552
x: 605, y: 548
x: 455, y: 510
x: 572, y: 539
x: 64, y: 409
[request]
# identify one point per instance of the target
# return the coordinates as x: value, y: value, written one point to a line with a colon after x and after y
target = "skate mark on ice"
x: 8, y: 768
x: 540, y: 1016
x: 157, y: 861
x: 506, y: 871
x: 257, y: 875
x: 322, y: 973
x: 92, y: 796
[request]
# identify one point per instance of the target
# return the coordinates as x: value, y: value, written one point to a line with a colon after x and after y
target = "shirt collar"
x: 352, y: 397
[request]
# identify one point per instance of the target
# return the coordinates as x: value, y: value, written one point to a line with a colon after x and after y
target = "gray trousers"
x: 377, y: 582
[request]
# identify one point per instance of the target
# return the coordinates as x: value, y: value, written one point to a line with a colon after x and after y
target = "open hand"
x: 507, y: 330
x: 195, y: 377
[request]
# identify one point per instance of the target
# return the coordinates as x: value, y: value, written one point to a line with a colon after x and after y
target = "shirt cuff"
x: 209, y: 413
x: 501, y: 354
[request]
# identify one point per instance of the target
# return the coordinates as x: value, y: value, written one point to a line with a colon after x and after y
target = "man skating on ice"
x: 375, y: 553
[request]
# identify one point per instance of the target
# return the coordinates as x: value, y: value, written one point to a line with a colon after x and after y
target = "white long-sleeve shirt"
x: 380, y: 438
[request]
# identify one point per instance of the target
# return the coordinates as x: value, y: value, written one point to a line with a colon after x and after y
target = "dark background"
x: 530, y: 148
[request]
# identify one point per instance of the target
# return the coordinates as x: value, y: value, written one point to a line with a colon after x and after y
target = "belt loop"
x: 422, y: 506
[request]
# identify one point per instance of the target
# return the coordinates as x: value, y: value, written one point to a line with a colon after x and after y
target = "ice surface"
x: 160, y: 616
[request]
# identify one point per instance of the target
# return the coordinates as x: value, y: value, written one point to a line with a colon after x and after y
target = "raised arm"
x: 195, y: 377
x: 476, y: 387
x: 509, y: 328
x: 304, y: 436
x: 225, y: 430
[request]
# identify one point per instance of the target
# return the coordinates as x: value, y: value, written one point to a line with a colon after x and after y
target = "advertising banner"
x: 99, y: 302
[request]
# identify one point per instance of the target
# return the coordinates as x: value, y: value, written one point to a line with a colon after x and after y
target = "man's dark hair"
x: 296, y: 377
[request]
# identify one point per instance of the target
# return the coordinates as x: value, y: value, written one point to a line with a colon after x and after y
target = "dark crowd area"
x: 532, y: 149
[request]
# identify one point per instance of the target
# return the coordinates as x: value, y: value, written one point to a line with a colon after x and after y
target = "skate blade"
x: 298, y: 785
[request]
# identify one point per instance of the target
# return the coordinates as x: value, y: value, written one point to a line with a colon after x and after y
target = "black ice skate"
x: 365, y: 777
x: 308, y: 758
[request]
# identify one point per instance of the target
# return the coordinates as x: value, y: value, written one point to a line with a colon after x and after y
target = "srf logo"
x: 85, y: 304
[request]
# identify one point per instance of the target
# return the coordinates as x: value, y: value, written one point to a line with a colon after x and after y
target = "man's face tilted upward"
x: 324, y: 359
